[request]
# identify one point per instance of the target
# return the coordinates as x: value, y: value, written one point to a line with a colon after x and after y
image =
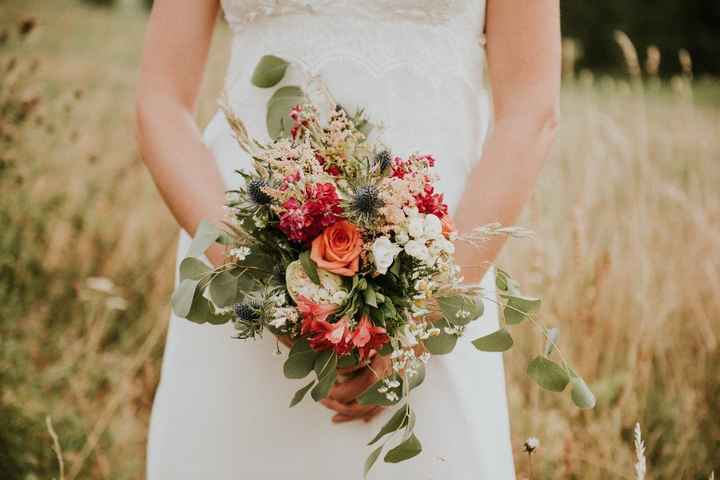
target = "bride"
x: 425, y: 69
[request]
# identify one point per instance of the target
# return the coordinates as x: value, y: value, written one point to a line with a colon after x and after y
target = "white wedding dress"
x: 221, y: 410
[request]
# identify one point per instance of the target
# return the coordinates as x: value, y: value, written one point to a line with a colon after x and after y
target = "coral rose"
x: 337, y: 250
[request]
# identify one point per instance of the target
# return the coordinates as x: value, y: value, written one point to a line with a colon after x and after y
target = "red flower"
x: 368, y: 338
x: 323, y: 335
x: 399, y: 168
x: 303, y: 221
x: 430, y: 202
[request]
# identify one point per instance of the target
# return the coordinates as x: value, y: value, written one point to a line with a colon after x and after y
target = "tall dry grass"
x: 626, y: 256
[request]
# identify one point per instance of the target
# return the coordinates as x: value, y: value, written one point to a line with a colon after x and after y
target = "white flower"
x: 432, y: 226
x: 531, y: 444
x: 240, y: 253
x: 417, y: 249
x: 384, y: 252
x: 416, y: 227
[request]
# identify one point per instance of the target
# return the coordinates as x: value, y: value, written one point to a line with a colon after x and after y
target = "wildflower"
x: 531, y: 444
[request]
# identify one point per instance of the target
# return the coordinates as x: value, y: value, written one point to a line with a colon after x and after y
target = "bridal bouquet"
x: 346, y: 250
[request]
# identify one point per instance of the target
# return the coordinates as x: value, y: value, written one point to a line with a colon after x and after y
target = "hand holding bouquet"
x: 347, y: 250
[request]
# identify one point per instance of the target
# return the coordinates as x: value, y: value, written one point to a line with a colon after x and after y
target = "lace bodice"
x: 240, y: 12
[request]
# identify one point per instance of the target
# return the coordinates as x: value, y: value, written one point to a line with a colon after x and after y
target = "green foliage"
x: 300, y: 361
x: 441, y: 344
x: 498, y: 341
x: 406, y: 450
x: 548, y: 374
x: 460, y: 309
x: 326, y: 370
x: 309, y: 266
x: 278, y: 108
x: 300, y: 394
x: 269, y: 71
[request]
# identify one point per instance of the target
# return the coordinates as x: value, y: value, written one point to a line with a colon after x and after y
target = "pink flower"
x: 323, y: 335
x: 368, y: 338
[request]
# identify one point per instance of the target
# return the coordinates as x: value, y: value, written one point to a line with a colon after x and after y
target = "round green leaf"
x: 548, y: 374
x: 300, y: 360
x: 581, y: 393
x: 224, y: 289
x: 193, y: 268
x: 498, y: 341
x: 440, y: 344
x: 279, y: 106
x: 182, y: 297
x: 517, y: 308
x: 269, y: 71
x: 406, y: 450
x: 460, y: 309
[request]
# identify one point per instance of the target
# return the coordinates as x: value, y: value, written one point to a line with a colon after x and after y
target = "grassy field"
x: 626, y: 256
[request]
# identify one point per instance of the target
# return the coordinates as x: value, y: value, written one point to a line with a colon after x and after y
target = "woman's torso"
x: 415, y: 66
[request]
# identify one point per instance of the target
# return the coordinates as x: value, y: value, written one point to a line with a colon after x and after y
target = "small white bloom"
x: 384, y: 252
x: 531, y: 444
x: 416, y: 227
x: 417, y: 249
x: 432, y: 226
x: 240, y: 253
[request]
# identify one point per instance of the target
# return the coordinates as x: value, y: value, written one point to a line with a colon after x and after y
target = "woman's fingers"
x: 352, y: 410
x: 348, y: 391
x: 340, y: 418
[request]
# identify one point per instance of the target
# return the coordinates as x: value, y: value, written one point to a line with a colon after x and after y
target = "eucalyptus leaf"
x: 498, y: 341
x: 278, y: 109
x: 396, y: 422
x: 224, y: 289
x: 205, y: 235
x: 548, y: 374
x: 326, y: 377
x: 552, y: 337
x: 460, y: 309
x: 202, y: 311
x: 300, y: 360
x: 518, y: 308
x: 419, y: 377
x: 269, y: 71
x: 581, y: 393
x: 182, y: 297
x: 372, y: 458
x: 406, y: 450
x: 370, y: 296
x: 441, y: 344
x: 309, y: 267
x: 193, y: 268
x: 300, y: 394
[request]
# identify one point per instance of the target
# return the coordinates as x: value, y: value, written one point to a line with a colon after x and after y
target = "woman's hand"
x: 343, y: 395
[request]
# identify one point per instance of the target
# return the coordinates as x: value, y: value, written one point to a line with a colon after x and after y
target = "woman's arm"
x: 176, y: 48
x: 523, y: 51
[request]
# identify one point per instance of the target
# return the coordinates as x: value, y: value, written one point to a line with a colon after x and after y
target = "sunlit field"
x: 626, y: 256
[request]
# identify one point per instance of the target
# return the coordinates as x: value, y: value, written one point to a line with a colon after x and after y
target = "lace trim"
x: 245, y: 12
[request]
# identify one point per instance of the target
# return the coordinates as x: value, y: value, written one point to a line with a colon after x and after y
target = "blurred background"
x: 626, y: 256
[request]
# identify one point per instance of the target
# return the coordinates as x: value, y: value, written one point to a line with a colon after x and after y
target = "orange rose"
x: 337, y: 250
